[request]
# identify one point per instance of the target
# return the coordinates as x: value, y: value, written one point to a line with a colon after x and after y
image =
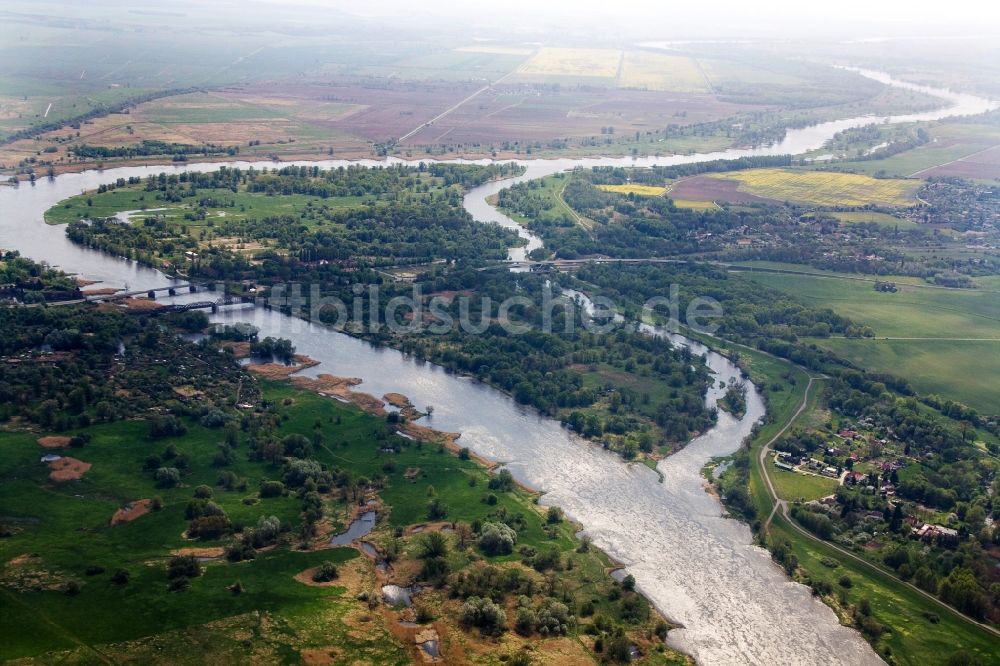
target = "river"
x: 699, y: 568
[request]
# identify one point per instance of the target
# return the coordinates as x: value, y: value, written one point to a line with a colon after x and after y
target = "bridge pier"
x: 192, y: 288
x: 152, y: 294
x: 172, y: 291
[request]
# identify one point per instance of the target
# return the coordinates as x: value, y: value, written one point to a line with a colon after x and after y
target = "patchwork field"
x: 521, y: 112
x: 500, y: 50
x: 313, y: 96
x: 306, y: 120
x: 871, y: 217
x: 968, y: 150
x: 983, y: 164
x: 944, y: 341
x: 706, y: 191
x: 823, y: 188
x: 284, y: 120
x: 722, y: 71
x: 695, y: 205
x: 572, y: 62
x: 656, y: 71
x: 641, y: 190
x: 450, y: 65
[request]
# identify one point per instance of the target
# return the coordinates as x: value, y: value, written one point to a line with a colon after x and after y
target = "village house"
x: 854, y: 477
x: 929, y: 532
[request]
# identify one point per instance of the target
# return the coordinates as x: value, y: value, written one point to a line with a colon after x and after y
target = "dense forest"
x: 30, y: 282
x: 67, y: 367
x: 629, y: 391
x: 149, y: 148
x: 750, y: 314
x: 395, y: 215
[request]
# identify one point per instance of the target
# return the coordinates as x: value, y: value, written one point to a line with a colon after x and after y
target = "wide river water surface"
x: 698, y: 567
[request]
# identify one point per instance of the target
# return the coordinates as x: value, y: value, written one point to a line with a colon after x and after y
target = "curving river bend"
x: 697, y: 567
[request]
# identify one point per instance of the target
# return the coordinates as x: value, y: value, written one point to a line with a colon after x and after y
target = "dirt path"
x: 767, y: 448
x: 579, y: 219
x: 783, y: 505
x: 452, y: 108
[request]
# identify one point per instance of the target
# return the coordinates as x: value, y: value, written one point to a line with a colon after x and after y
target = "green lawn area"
x: 208, y: 108
x: 68, y: 101
x: 881, y: 219
x: 68, y: 525
x: 550, y: 190
x: 911, y: 312
x: 804, y: 487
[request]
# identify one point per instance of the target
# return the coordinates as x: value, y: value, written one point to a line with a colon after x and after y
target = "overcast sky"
x: 687, y: 19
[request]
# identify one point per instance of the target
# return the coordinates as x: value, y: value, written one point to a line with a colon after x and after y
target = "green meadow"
x: 960, y: 370
x: 950, y: 141
x: 881, y: 219
x: 67, y: 526
x: 944, y: 341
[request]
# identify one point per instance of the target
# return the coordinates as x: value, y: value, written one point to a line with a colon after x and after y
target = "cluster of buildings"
x: 929, y: 532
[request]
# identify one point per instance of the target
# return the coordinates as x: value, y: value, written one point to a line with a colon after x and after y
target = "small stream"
x: 359, y: 527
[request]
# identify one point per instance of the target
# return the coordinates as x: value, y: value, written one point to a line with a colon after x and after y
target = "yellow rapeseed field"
x: 641, y: 190
x: 573, y: 62
x: 696, y: 205
x: 658, y: 71
x: 824, y: 188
